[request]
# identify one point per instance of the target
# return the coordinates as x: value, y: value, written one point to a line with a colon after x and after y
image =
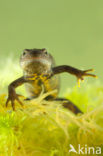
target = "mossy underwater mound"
x: 44, y: 128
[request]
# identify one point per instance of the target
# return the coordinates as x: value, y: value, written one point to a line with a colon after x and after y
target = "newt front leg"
x: 12, y: 96
x: 74, y: 71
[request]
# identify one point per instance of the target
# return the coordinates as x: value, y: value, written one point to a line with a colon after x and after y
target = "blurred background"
x: 71, y: 30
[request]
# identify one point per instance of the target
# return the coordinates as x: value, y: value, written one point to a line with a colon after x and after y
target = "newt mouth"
x: 34, y: 60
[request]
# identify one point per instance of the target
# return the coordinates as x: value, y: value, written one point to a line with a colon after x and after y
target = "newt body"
x: 40, y: 72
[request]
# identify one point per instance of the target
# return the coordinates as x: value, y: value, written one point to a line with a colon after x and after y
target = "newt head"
x: 36, y: 61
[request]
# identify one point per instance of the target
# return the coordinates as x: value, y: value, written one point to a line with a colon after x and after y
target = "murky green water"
x: 71, y: 30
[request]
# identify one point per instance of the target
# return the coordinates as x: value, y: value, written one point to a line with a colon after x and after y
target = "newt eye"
x: 24, y: 53
x: 46, y: 52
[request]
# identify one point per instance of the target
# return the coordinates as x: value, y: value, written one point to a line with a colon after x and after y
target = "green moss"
x: 48, y: 129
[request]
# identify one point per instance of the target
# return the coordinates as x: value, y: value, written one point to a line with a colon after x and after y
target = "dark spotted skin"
x: 40, y: 73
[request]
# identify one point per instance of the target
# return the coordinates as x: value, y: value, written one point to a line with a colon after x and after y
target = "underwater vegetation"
x: 44, y: 128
